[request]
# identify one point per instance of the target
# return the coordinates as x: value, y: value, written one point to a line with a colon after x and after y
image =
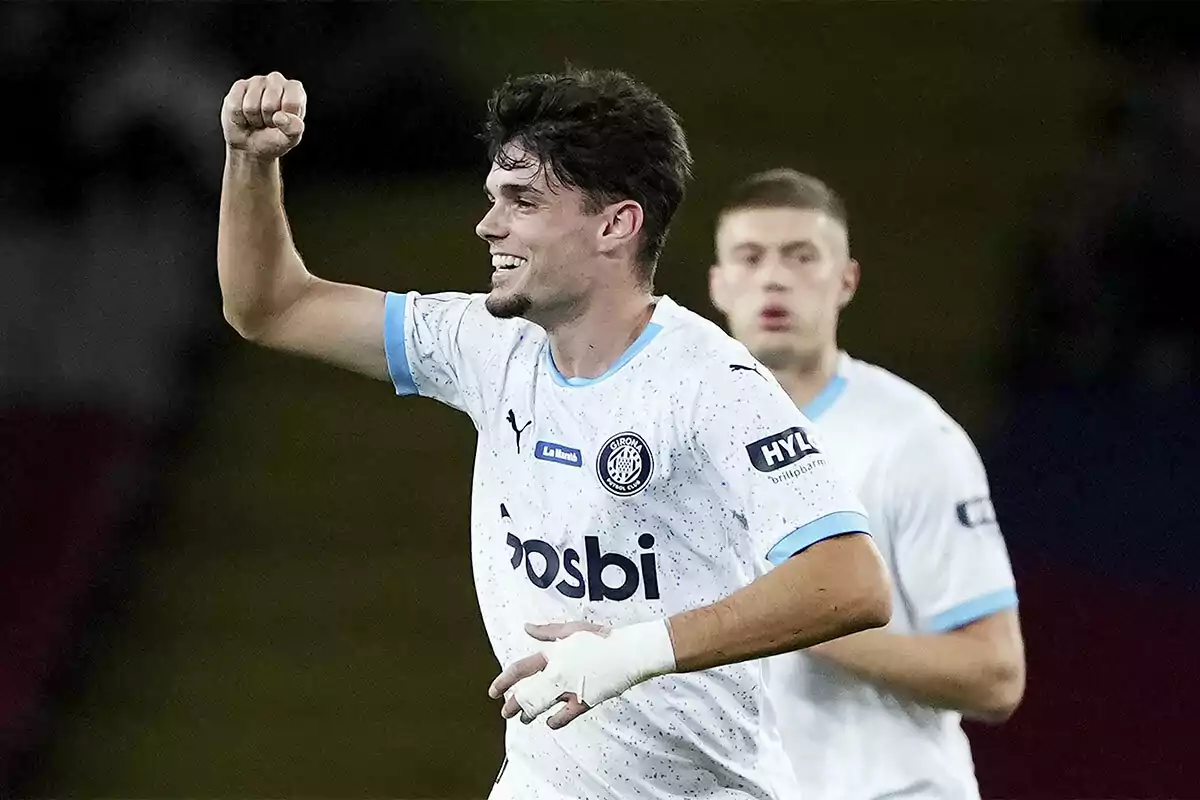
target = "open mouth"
x: 502, y: 261
x: 774, y: 318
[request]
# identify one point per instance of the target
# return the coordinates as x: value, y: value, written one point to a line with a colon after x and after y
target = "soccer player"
x: 875, y: 714
x: 632, y: 478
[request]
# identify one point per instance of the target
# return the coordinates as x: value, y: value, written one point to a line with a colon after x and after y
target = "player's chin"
x: 506, y: 303
x: 774, y: 351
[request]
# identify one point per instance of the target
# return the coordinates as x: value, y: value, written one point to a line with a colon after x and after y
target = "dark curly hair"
x: 600, y: 132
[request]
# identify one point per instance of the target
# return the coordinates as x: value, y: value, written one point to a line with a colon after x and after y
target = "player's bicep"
x: 846, y: 561
x: 339, y: 323
x: 844, y: 574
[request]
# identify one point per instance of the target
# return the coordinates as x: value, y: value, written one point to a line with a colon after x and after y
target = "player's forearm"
x: 952, y: 670
x: 836, y: 587
x: 260, y: 272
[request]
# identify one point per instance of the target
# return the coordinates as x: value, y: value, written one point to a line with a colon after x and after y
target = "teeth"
x: 507, y: 262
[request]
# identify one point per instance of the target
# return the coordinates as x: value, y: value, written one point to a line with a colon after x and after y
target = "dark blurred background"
x: 225, y: 572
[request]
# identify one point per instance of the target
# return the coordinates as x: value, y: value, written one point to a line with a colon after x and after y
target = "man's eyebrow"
x: 797, y: 244
x: 514, y: 190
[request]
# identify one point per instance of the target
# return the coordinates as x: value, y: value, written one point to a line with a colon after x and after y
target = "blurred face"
x: 781, y: 278
x: 543, y: 244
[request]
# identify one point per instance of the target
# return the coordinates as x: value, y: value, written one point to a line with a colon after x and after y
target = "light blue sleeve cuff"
x: 972, y: 611
x: 393, y: 343
x: 835, y: 524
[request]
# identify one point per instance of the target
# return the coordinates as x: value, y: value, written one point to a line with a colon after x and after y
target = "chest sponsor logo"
x: 593, y: 574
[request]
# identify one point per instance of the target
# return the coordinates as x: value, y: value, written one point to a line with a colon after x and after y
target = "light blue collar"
x: 828, y: 395
x: 639, y: 344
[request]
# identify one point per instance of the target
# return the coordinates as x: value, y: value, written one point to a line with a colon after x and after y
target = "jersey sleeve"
x: 951, y: 562
x: 440, y: 345
x: 763, y: 454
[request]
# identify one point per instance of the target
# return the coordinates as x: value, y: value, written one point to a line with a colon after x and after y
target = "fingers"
x: 529, y: 689
x: 560, y: 630
x: 516, y: 671
x: 252, y: 101
x: 549, y: 632
x: 571, y: 708
x: 264, y: 115
x: 533, y: 697
x: 291, y: 125
x: 574, y: 707
x: 510, y: 708
x: 295, y: 99
x: 233, y: 102
x: 272, y: 97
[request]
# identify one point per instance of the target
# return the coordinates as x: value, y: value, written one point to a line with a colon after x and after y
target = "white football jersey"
x: 669, y: 482
x: 926, y: 493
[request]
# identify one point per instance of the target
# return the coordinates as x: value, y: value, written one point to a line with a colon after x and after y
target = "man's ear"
x: 850, y: 277
x: 622, y: 225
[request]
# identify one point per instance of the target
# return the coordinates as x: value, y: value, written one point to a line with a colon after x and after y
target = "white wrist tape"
x: 597, y: 668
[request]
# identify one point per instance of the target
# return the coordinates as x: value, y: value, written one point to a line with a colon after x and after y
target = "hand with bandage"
x: 580, y: 666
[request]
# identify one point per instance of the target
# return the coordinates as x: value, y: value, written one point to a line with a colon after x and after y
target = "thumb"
x: 560, y: 630
x: 290, y: 124
x: 546, y: 633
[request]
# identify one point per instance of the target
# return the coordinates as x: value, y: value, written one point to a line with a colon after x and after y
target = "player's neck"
x: 589, y: 344
x: 805, y: 379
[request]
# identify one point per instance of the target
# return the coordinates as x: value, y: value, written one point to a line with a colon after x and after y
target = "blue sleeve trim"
x: 835, y: 524
x: 973, y: 610
x: 395, y: 307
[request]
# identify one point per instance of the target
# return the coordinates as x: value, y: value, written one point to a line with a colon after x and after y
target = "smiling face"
x: 544, y: 244
x: 782, y: 277
x: 554, y: 251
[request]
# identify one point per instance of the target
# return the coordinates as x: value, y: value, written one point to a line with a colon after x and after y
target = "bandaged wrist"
x: 596, y: 668
x: 648, y: 647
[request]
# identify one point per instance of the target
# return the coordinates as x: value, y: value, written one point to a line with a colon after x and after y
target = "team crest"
x: 625, y: 464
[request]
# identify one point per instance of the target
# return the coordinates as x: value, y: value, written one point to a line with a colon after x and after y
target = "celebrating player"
x: 635, y: 474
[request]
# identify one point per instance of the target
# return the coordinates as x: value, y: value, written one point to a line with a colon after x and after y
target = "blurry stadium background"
x: 227, y: 573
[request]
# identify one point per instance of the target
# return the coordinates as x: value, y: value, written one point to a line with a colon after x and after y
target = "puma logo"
x: 736, y: 367
x: 512, y: 420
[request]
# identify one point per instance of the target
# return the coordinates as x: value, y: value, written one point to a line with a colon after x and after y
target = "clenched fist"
x: 264, y: 115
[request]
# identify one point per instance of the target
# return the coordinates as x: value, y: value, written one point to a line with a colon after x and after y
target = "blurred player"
x: 631, y: 486
x: 876, y: 714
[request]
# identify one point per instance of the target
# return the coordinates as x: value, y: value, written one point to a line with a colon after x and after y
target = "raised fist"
x: 264, y: 115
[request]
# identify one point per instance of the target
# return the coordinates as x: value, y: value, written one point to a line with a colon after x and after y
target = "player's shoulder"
x: 468, y: 312
x: 917, y: 420
x: 704, y: 374
x: 894, y: 396
x: 696, y: 348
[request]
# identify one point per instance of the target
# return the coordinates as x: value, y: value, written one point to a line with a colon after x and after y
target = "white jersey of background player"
x: 876, y: 714
x: 635, y: 478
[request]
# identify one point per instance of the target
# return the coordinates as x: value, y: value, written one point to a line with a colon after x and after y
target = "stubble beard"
x: 508, y: 306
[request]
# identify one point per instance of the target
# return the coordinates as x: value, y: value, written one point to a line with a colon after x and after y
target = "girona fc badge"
x: 624, y: 465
